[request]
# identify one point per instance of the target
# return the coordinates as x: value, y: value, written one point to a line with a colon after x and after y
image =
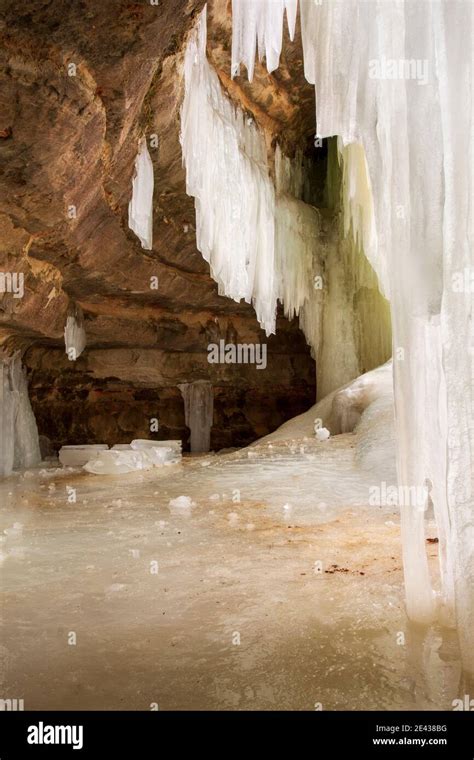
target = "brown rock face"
x: 80, y: 83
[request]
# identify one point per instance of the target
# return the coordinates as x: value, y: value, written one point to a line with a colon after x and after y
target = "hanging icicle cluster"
x: 260, y: 245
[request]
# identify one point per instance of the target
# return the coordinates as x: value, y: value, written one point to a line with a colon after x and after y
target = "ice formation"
x: 234, y: 229
x: 242, y: 228
x: 19, y: 443
x: 74, y: 335
x: 79, y: 454
x: 140, y: 454
x: 123, y: 459
x: 368, y: 404
x: 262, y: 23
x: 405, y: 146
x: 375, y: 449
x: 118, y: 462
x: 143, y: 443
x: 349, y: 402
x: 322, y: 434
x: 181, y: 503
x: 198, y: 409
x: 263, y: 237
x: 140, y: 209
x: 365, y: 407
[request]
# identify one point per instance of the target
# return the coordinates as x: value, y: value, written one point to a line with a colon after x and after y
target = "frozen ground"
x: 301, y: 570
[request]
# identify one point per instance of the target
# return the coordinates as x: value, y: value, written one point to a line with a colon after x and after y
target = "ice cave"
x: 237, y: 426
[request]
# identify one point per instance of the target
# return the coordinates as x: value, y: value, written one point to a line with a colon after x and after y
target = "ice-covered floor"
x: 302, y: 571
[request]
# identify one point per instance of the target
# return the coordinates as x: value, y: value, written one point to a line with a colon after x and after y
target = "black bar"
x: 122, y: 734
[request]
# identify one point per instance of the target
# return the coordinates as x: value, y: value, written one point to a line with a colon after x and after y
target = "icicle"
x: 234, y: 195
x: 385, y: 75
x: 74, y: 334
x: 19, y: 443
x: 198, y: 410
x: 256, y: 21
x: 140, y: 209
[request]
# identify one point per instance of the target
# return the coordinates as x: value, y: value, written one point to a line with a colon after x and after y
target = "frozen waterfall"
x: 382, y: 73
x: 392, y: 81
x: 263, y: 237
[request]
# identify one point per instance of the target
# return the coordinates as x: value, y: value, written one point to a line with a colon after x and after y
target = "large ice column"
x: 453, y: 35
x: 19, y: 444
x: 198, y: 409
x: 396, y: 79
x: 74, y: 334
x: 140, y: 209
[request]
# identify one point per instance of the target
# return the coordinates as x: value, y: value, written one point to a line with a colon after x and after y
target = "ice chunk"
x: 79, y: 454
x: 113, y: 462
x: 181, y: 503
x: 143, y: 443
x: 140, y: 209
x: 161, y: 454
x: 122, y: 459
x: 322, y: 434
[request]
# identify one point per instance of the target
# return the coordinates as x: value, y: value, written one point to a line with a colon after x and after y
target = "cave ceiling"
x: 67, y: 149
